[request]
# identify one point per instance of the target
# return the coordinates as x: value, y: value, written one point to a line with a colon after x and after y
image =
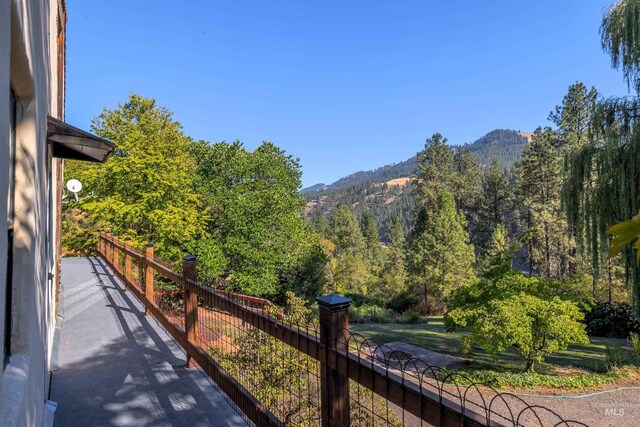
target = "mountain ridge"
x: 499, y: 144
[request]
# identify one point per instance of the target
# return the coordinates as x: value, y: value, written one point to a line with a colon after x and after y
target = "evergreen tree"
x: 373, y: 248
x: 439, y: 257
x: 393, y: 278
x: 435, y: 169
x: 538, y: 187
x: 574, y: 117
x: 321, y: 225
x: 495, y: 203
x: 350, y: 270
x: 346, y: 231
x: 464, y: 182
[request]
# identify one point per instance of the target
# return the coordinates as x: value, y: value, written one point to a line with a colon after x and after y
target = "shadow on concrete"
x: 120, y: 368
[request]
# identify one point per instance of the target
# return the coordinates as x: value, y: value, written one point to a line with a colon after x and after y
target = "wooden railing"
x: 340, y: 363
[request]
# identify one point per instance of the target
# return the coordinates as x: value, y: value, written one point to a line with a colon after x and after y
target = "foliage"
x: 145, y: 191
x: 619, y: 31
x: 533, y: 315
x: 495, y: 205
x: 392, y: 280
x: 625, y: 233
x: 534, y: 327
x: 613, y: 353
x: 634, y: 340
x: 538, y: 189
x: 436, y: 170
x: 255, y: 214
x: 346, y: 231
x: 370, y: 313
x: 615, y: 320
x: 512, y: 379
x: 78, y: 232
x: 270, y: 369
x: 409, y: 316
x: 439, y: 258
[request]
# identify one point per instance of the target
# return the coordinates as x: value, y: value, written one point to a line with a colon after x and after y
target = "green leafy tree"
x: 145, y: 191
x: 534, y: 327
x: 602, y: 186
x: 439, y: 256
x: 533, y: 315
x: 499, y: 251
x: 255, y: 214
x: 620, y: 32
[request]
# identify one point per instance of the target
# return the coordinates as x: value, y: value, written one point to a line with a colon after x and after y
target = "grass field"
x: 433, y: 336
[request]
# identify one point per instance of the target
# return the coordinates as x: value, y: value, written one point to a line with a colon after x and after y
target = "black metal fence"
x: 288, y: 366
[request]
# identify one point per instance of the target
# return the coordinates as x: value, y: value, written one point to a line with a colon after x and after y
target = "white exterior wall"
x: 28, y: 57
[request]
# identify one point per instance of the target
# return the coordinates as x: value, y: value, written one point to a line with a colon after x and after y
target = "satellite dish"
x: 74, y: 185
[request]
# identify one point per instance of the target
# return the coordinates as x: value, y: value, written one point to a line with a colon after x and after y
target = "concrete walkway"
x: 116, y: 367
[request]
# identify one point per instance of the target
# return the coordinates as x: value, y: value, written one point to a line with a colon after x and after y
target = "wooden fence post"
x: 116, y: 254
x: 334, y: 387
x: 190, y: 302
x: 107, y: 248
x: 127, y: 262
x: 148, y: 279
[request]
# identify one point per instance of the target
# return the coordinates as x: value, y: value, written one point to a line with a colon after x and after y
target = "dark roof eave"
x: 69, y: 142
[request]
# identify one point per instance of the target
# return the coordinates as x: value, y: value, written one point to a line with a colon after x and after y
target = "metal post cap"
x: 334, y: 301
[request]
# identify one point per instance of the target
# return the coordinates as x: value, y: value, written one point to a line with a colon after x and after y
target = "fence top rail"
x: 398, y: 384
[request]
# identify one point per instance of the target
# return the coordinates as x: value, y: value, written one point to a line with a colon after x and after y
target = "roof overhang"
x: 69, y: 142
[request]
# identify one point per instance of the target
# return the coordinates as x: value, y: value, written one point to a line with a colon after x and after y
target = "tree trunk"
x: 529, y: 367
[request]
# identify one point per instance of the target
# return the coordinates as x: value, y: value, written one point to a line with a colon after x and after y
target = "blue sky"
x: 342, y: 85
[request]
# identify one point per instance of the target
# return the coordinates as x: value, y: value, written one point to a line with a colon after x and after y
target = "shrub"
x: 370, y: 313
x: 402, y: 302
x: 613, y: 353
x: 533, y: 326
x: 613, y: 320
x: 409, y: 316
x: 634, y: 340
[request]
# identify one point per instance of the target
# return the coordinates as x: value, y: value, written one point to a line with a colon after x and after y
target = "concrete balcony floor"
x: 115, y: 367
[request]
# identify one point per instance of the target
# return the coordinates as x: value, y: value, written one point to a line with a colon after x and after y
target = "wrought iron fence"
x: 288, y: 366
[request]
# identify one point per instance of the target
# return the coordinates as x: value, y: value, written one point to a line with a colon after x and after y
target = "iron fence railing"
x: 283, y: 367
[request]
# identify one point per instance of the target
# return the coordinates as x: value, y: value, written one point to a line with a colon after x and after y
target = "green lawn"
x: 432, y: 336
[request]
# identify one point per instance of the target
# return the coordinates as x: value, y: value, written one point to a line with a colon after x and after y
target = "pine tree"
x: 346, y: 231
x: 440, y: 257
x: 574, y: 117
x: 393, y: 279
x: 495, y: 203
x: 538, y: 187
x: 350, y: 269
x: 321, y: 225
x: 464, y: 183
x: 373, y: 248
x: 435, y: 169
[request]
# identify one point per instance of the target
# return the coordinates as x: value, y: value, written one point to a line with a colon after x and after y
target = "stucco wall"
x: 27, y: 55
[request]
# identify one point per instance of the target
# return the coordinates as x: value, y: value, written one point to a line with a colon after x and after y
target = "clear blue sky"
x: 343, y: 85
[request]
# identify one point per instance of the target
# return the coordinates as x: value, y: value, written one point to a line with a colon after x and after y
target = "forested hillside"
x: 386, y: 191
